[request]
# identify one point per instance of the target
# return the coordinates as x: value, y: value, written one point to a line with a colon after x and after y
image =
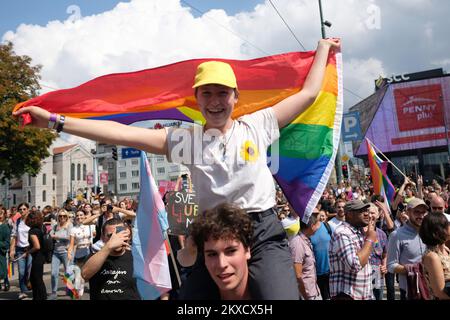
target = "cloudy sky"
x: 77, y: 40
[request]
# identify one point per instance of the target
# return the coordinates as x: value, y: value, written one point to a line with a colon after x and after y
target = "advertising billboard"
x: 412, y: 115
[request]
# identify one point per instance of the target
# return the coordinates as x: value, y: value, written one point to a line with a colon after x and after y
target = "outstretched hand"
x: 333, y: 43
x: 39, y: 116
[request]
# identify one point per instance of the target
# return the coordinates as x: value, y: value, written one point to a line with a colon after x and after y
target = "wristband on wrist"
x: 60, y: 123
x: 52, y: 121
x: 371, y: 241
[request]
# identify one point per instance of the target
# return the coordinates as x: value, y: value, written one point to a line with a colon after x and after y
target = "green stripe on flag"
x: 306, y: 141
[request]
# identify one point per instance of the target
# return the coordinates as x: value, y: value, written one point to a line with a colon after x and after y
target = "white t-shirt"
x: 334, y: 223
x: 21, y: 233
x: 241, y: 177
x: 83, y: 234
x: 447, y: 216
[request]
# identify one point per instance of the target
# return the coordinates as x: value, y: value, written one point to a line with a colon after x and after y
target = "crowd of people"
x: 352, y: 245
x: 72, y: 231
x: 356, y: 245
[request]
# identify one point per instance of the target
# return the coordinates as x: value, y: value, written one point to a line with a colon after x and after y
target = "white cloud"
x: 378, y: 38
x: 359, y: 75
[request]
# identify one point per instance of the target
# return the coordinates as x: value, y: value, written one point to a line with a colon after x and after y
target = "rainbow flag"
x: 70, y: 288
x: 308, y: 145
x: 382, y: 185
x: 10, y: 270
x: 151, y: 265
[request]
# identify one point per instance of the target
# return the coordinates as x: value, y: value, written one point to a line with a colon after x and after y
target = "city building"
x: 407, y: 119
x: 63, y: 174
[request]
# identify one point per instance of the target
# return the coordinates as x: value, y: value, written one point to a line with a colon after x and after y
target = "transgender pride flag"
x: 151, y: 266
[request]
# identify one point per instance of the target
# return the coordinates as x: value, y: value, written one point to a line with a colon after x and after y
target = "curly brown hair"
x: 35, y: 219
x: 224, y: 221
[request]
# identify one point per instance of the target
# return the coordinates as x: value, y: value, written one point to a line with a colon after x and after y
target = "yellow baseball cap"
x: 215, y: 72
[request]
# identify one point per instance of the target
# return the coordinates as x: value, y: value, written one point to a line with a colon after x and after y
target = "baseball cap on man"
x: 355, y: 205
x: 215, y: 72
x: 415, y: 202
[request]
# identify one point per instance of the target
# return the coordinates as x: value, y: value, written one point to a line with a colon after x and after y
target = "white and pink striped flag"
x: 150, y: 258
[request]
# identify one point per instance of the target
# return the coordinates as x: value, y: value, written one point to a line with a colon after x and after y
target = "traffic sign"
x: 130, y: 153
x: 90, y: 179
x: 351, y: 129
x: 104, y: 178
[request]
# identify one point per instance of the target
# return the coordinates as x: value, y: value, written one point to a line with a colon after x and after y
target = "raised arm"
x: 150, y: 140
x: 398, y: 197
x: 128, y: 214
x: 92, y: 219
x: 288, y: 109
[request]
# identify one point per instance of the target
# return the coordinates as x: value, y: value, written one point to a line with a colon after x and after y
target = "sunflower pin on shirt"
x: 249, y: 151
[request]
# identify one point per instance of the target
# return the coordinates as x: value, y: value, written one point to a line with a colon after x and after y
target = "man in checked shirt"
x: 350, y: 248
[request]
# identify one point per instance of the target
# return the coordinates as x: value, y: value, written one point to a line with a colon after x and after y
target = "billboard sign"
x: 419, y: 107
x: 412, y: 115
x: 104, y: 177
x: 90, y: 179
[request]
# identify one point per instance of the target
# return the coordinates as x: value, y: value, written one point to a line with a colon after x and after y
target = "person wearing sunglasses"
x: 18, y: 250
x: 61, y: 236
x: 110, y: 270
x: 81, y: 236
x: 437, y: 204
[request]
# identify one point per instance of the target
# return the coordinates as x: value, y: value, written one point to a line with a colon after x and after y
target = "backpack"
x: 47, y: 245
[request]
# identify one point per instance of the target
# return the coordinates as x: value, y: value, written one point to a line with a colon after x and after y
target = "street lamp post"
x: 338, y: 164
x: 321, y: 20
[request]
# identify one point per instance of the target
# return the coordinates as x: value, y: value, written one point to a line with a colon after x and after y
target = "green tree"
x: 21, y: 149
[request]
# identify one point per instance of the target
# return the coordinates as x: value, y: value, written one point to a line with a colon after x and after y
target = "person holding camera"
x: 107, y: 211
x: 110, y: 270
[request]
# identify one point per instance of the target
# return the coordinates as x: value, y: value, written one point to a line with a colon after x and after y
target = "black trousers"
x: 37, y: 278
x: 271, y: 269
x: 390, y: 285
x: 323, y: 282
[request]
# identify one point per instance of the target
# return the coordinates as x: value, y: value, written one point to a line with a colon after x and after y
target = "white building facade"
x: 62, y: 175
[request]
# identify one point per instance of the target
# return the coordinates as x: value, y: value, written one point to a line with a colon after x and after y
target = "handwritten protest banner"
x: 182, y: 208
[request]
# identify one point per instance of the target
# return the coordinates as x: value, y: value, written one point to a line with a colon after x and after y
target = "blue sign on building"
x: 130, y: 153
x: 351, y: 129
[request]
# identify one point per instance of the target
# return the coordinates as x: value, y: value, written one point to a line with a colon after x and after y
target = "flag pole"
x: 173, y: 261
x: 387, y: 159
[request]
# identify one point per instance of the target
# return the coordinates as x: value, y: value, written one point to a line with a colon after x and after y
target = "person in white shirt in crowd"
x: 80, y: 247
x: 19, y: 246
x: 340, y: 215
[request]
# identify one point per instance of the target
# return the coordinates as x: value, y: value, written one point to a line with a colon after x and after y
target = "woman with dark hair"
x: 18, y: 248
x: 36, y: 239
x: 435, y: 231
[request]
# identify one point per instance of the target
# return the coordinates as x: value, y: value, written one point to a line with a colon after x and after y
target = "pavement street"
x: 14, y: 290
